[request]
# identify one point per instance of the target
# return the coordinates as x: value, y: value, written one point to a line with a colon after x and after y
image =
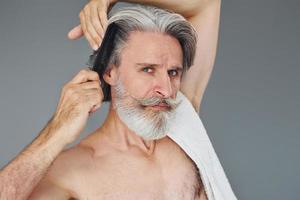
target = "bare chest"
x: 170, y: 175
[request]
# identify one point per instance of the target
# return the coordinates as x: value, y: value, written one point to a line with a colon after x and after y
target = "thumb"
x: 75, y: 33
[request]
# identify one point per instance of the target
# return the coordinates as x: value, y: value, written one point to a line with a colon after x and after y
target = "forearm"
x: 188, y: 8
x: 21, y: 175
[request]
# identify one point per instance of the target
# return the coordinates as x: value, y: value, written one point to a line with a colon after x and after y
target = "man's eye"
x: 147, y: 69
x: 173, y: 72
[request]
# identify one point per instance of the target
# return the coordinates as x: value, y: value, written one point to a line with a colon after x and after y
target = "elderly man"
x: 141, y: 65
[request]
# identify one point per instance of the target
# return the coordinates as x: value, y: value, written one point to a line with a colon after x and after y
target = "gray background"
x: 250, y: 108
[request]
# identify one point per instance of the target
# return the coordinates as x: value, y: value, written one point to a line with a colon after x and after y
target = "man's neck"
x: 124, y: 138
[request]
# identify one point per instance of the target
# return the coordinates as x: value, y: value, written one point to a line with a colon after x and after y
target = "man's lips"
x: 161, y: 106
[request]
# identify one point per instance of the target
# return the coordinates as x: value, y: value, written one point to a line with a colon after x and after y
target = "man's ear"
x: 111, y: 76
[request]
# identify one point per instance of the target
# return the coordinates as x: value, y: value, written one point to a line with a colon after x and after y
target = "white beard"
x: 149, y: 124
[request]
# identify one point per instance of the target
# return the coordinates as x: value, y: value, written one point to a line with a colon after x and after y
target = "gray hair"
x: 142, y: 18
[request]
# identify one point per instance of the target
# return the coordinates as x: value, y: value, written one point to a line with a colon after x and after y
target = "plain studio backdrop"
x: 250, y: 108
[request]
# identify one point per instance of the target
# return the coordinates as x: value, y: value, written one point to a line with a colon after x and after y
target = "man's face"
x: 148, y: 80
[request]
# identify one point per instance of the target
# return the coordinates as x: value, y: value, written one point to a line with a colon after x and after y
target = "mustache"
x: 153, y: 101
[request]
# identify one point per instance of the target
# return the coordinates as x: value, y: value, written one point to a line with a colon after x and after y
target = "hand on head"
x: 93, y: 22
x: 79, y: 98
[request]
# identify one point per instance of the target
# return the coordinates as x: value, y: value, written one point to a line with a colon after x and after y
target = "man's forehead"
x: 153, y: 48
x: 151, y: 37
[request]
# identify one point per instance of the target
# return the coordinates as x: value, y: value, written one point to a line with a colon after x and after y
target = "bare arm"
x: 19, y: 177
x: 206, y: 23
x: 203, y: 14
x: 81, y: 96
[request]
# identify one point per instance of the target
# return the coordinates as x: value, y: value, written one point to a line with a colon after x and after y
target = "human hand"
x: 79, y: 97
x: 93, y: 22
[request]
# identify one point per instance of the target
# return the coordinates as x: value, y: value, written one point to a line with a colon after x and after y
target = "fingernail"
x: 95, y: 47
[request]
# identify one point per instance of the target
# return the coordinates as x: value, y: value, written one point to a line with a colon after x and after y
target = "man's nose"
x: 163, y: 86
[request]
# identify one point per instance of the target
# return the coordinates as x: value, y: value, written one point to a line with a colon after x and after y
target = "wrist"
x: 52, y: 135
x: 53, y: 138
x: 56, y: 133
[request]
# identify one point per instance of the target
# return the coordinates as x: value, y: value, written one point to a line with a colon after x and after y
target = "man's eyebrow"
x: 180, y: 68
x: 147, y: 64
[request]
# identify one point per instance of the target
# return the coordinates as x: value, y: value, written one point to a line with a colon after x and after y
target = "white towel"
x: 189, y: 133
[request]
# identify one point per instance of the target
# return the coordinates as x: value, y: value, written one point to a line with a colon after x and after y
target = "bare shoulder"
x: 73, y: 161
x: 70, y: 161
x: 62, y: 176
